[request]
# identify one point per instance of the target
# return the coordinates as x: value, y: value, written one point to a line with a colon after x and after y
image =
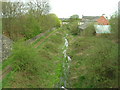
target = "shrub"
x: 25, y: 57
x: 31, y: 27
x: 73, y: 27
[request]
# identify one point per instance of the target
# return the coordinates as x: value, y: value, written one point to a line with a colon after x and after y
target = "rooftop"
x: 90, y: 18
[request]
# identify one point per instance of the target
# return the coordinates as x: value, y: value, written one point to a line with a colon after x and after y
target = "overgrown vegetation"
x: 94, y: 59
x: 32, y: 67
x: 94, y: 63
x: 36, y: 67
x: 27, y: 19
x: 72, y: 27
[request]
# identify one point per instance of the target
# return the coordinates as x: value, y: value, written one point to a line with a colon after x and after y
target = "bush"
x: 25, y: 57
x: 73, y: 27
x: 31, y: 27
x: 54, y: 20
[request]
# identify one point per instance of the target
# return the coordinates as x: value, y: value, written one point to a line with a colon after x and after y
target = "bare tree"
x: 40, y: 7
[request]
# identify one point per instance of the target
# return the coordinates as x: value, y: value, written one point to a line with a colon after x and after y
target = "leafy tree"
x: 74, y: 18
x: 31, y: 29
x: 27, y: 20
x: 11, y: 11
x: 49, y: 21
x: 55, y: 20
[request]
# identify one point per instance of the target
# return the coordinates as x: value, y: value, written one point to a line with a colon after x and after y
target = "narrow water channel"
x: 66, y: 65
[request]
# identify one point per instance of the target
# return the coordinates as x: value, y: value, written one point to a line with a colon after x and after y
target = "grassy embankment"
x: 94, y: 62
x: 94, y: 59
x: 36, y: 67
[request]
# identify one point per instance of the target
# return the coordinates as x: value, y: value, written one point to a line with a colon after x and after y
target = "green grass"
x: 53, y: 35
x: 94, y: 62
x: 36, y: 67
x: 42, y: 37
x: 5, y: 81
x: 0, y: 26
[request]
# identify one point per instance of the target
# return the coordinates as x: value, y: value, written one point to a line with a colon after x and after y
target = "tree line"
x: 27, y: 19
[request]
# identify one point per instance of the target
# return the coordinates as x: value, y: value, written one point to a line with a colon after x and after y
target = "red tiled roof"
x: 103, y: 21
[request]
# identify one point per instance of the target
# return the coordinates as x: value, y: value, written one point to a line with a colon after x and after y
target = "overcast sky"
x: 66, y: 8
